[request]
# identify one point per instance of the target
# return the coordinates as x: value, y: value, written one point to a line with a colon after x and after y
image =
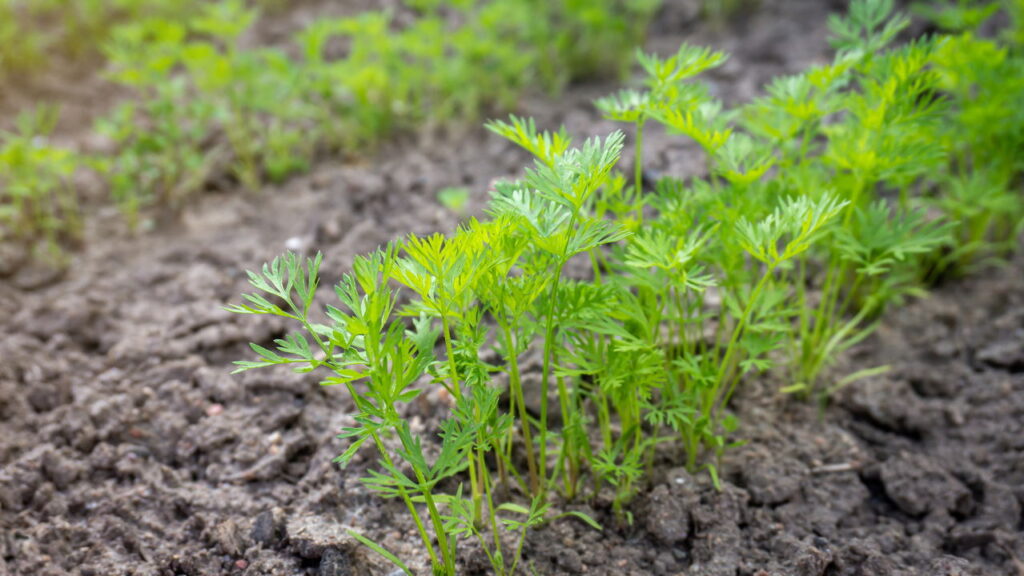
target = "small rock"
x: 919, y: 485
x: 266, y: 530
x: 949, y: 566
x: 229, y: 538
x: 1000, y: 508
x: 935, y: 381
x: 668, y: 519
x: 334, y: 562
x: 217, y: 384
x: 296, y: 244
x: 1007, y: 354
x: 34, y: 276
x: 328, y: 230
x: 60, y: 470
x: 570, y: 560
x: 46, y: 396
x: 878, y: 564
x: 814, y: 559
x: 893, y: 405
x: 771, y: 479
x: 312, y: 536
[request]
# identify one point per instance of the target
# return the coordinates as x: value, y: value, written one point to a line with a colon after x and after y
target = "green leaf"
x: 546, y: 146
x: 858, y: 375
x: 515, y: 508
x: 584, y: 517
x: 713, y: 472
x: 798, y: 388
x: 454, y: 199
x: 380, y: 550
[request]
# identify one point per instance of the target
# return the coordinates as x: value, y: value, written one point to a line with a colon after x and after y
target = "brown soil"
x: 127, y: 448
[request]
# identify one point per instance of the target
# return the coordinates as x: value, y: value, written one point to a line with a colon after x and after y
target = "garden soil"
x: 127, y: 448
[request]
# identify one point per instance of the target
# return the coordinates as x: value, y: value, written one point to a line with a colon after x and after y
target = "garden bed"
x: 127, y: 448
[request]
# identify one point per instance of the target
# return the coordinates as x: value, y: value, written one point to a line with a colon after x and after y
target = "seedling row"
x: 207, y: 104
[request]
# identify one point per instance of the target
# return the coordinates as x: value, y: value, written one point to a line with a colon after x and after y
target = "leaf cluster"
x: 38, y: 205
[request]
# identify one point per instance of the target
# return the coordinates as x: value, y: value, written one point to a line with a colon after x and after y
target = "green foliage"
x: 373, y: 353
x: 825, y: 201
x: 958, y: 16
x: 869, y: 27
x: 164, y: 162
x: 35, y: 32
x: 718, y: 12
x: 670, y: 99
x: 207, y: 102
x: 454, y: 199
x: 983, y: 82
x: 22, y: 49
x: 38, y: 206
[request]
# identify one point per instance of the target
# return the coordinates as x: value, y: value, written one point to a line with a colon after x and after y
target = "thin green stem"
x: 725, y: 366
x: 595, y: 265
x: 450, y: 351
x: 474, y: 479
x: 434, y: 516
x: 638, y: 171
x: 568, y: 440
x: 549, y: 345
x: 515, y: 382
x: 801, y: 287
x: 492, y: 515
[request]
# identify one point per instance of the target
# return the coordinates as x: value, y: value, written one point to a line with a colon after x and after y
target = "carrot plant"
x: 843, y: 132
x: 553, y: 204
x: 254, y: 92
x: 362, y: 345
x: 874, y: 129
x: 669, y: 268
x: 979, y: 187
x: 584, y: 30
x: 498, y: 281
x: 667, y: 92
x: 38, y: 206
x: 379, y: 358
x: 160, y: 156
x: 507, y: 270
x: 164, y: 163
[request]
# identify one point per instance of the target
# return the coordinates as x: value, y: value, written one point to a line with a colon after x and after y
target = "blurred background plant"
x: 38, y: 206
x: 270, y: 114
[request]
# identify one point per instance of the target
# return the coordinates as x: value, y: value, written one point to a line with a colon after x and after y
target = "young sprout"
x: 377, y: 360
x: 38, y: 206
x: 667, y: 95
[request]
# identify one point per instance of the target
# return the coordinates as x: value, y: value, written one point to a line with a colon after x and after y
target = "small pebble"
x: 241, y: 564
x: 214, y: 410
